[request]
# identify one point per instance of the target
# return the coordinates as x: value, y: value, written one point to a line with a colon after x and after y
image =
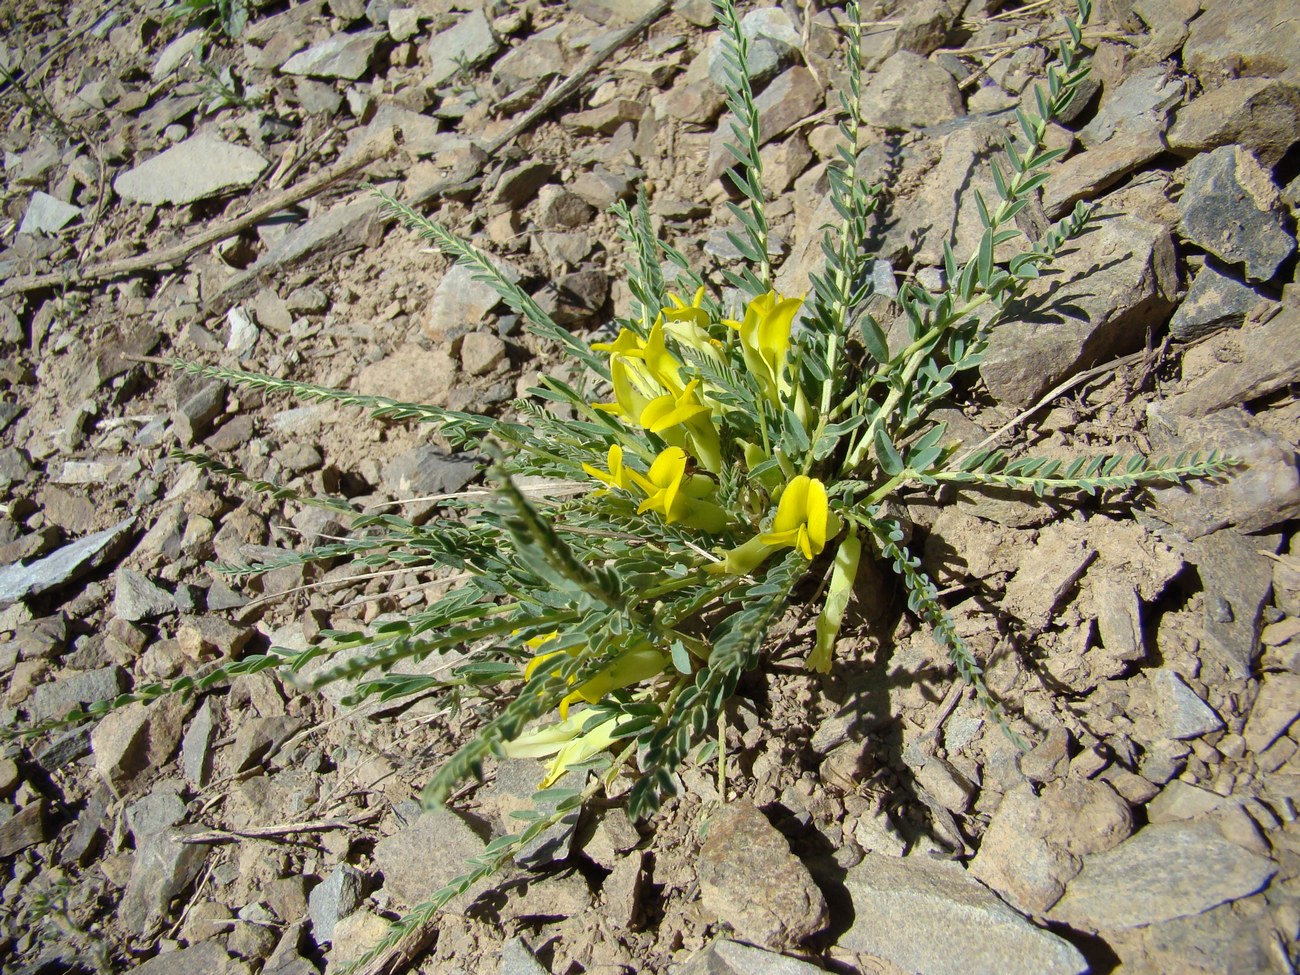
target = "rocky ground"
x: 876, y: 822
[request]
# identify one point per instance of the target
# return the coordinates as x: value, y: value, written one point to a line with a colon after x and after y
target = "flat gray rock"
x: 1232, y: 208
x: 773, y: 41
x: 47, y: 215
x: 334, y: 898
x: 510, y: 791
x: 136, y: 598
x: 163, y: 868
x: 55, y: 698
x: 1141, y: 100
x: 341, y: 56
x: 910, y: 92
x: 206, y: 957
x: 1264, y: 492
x: 1182, y: 715
x: 929, y: 918
x: 726, y: 957
x: 61, y: 567
x: 1109, y: 284
x: 1265, y: 358
x: 1258, y: 114
x: 1244, y: 38
x: 1160, y: 873
x: 460, y: 304
x: 1215, y: 301
x: 200, y: 167
x: 423, y: 857
x: 518, y: 959
x: 469, y: 42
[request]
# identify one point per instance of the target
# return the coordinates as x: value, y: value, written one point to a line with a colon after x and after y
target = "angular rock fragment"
x: 1231, y: 207
x: 1034, y: 843
x: 137, y: 598
x: 1214, y: 301
x: 1255, y: 361
x: 1140, y: 102
x: 469, y: 42
x: 200, y: 167
x: 47, y: 215
x: 726, y: 957
x: 929, y: 916
x: 1181, y: 713
x: 910, y: 92
x: 1162, y: 872
x: 341, y: 56
x: 411, y: 875
x: 1248, y: 38
x: 750, y: 880
x: 1258, y: 114
x: 63, y: 566
x: 1262, y: 493
x: 1110, y: 284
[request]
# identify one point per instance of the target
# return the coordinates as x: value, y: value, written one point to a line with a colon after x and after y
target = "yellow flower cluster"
x: 653, y: 390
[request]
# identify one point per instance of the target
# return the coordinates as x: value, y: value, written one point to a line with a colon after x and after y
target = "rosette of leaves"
x: 723, y: 449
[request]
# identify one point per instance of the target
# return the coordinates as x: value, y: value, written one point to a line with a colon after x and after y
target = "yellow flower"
x: 566, y: 741
x: 617, y: 476
x: 689, y: 325
x: 686, y: 411
x: 803, y: 517
x: 631, y: 667
x: 803, y: 521
x: 663, y: 486
x: 765, y: 341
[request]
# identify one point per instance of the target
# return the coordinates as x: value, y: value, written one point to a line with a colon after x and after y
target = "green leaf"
x: 986, y: 256
x: 890, y: 461
x: 681, y: 657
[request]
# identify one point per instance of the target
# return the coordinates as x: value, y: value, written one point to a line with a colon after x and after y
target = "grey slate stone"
x: 470, y: 41
x: 511, y: 790
x: 341, y: 56
x: 928, y: 917
x: 1232, y: 208
x: 55, y: 698
x: 518, y: 959
x: 1162, y: 872
x: 334, y: 898
x: 1267, y: 359
x: 1214, y: 301
x: 726, y: 957
x: 163, y: 868
x: 136, y: 598
x: 420, y: 858
x: 200, y: 167
x: 1258, y: 114
x: 63, y: 566
x: 910, y: 92
x: 47, y: 215
x: 750, y: 880
x: 773, y: 41
x: 1182, y: 715
x: 1264, y: 492
x: 1143, y: 98
x: 206, y: 957
x: 1110, y: 284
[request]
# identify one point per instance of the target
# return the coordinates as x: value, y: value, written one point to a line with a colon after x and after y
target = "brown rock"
x: 750, y: 880
x: 1258, y: 114
x: 25, y: 828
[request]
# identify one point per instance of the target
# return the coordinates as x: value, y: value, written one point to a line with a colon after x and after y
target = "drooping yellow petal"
x: 617, y: 476
x: 803, y: 519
